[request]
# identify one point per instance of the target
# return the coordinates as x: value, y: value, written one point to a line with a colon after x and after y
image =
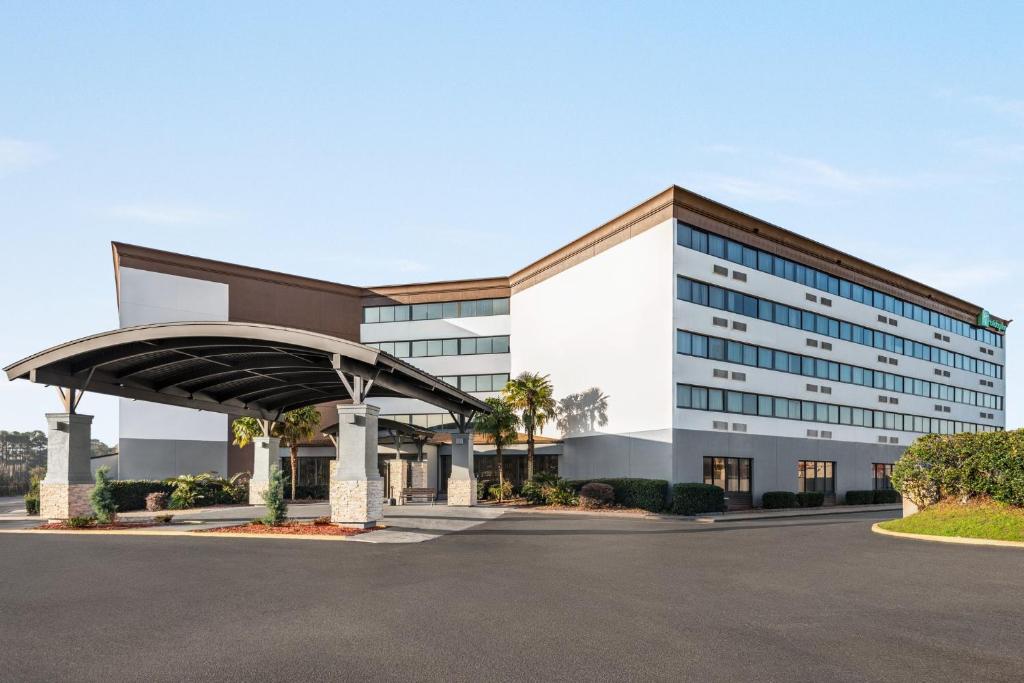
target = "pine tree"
x: 102, y: 498
x: 274, y: 498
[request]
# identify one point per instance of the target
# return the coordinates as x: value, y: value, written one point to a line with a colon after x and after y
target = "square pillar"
x: 266, y: 454
x: 398, y: 470
x: 462, y: 482
x: 65, y: 491
x: 356, y: 489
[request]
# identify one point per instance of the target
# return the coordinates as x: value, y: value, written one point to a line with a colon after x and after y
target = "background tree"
x: 500, y: 425
x: 296, y: 427
x: 532, y: 394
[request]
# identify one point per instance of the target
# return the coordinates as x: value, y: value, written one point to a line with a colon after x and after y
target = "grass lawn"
x: 976, y: 520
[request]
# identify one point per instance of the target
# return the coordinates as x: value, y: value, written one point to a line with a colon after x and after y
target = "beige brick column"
x: 356, y: 488
x: 266, y: 454
x: 65, y: 491
x: 462, y: 482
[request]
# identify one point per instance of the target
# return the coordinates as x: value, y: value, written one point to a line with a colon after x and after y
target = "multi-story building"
x: 686, y: 340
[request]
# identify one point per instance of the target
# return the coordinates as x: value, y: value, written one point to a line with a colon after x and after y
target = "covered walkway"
x: 249, y: 369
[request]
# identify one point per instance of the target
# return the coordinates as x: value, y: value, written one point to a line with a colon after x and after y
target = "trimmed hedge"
x: 775, y: 500
x: 693, y: 499
x: 810, y: 499
x: 131, y: 494
x: 887, y: 496
x: 596, y: 495
x: 860, y: 497
x: 961, y: 466
x: 646, y: 494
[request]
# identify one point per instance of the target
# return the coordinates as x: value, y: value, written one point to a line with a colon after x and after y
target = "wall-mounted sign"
x: 986, y: 320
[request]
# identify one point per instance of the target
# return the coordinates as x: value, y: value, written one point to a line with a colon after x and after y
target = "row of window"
x: 425, y: 420
x: 435, y: 311
x: 744, y: 403
x: 781, y: 314
x: 721, y: 247
x: 731, y: 351
x: 464, y: 346
x: 494, y: 382
x: 735, y: 475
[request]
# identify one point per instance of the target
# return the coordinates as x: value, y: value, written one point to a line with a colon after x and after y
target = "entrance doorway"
x: 444, y: 470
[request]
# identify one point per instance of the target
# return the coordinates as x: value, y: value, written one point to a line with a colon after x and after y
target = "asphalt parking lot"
x: 521, y: 597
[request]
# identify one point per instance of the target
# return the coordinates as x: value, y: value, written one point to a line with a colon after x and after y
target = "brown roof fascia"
x: 432, y: 292
x: 157, y: 260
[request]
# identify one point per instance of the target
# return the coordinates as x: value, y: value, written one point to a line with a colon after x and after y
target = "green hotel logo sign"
x: 986, y: 320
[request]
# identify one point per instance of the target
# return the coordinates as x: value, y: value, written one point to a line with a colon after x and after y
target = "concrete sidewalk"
x: 403, y: 523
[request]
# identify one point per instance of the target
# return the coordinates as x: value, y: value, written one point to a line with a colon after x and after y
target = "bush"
x: 887, y: 497
x: 35, y: 477
x: 776, y: 500
x: 79, y: 522
x: 549, y: 489
x: 962, y: 466
x: 646, y: 494
x: 101, y: 498
x: 692, y: 499
x: 131, y: 495
x: 860, y: 497
x: 596, y: 495
x: 156, y: 501
x: 274, y: 498
x: 810, y: 499
x: 500, y: 492
x: 483, y: 488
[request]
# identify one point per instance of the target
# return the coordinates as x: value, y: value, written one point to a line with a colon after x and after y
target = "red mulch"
x: 61, y: 526
x: 287, y: 529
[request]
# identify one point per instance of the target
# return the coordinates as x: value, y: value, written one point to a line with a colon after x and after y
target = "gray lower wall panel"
x: 642, y: 455
x: 162, y: 458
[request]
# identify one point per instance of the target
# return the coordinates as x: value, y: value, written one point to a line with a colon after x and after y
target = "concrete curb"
x: 795, y: 512
x: 193, y: 533
x: 590, y: 513
x: 959, y: 540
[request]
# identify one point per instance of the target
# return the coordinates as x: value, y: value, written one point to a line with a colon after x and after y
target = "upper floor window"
x: 722, y: 247
x: 435, y: 311
x: 464, y: 346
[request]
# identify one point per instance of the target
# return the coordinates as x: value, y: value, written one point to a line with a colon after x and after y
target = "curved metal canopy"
x: 235, y: 368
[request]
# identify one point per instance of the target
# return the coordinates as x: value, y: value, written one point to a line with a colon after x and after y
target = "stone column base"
x: 61, y: 501
x: 357, y: 504
x: 256, y: 491
x: 462, y: 492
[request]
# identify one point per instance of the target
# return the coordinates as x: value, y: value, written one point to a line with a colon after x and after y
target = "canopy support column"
x: 462, y: 481
x: 65, y: 491
x: 266, y: 454
x: 356, y: 488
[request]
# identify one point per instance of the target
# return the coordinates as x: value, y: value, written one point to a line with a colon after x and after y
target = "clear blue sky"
x: 376, y: 142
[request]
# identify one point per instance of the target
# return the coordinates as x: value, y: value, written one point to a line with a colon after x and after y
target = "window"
x: 881, y: 476
x: 435, y: 311
x: 709, y: 243
x: 816, y: 475
x: 443, y: 347
x: 733, y: 475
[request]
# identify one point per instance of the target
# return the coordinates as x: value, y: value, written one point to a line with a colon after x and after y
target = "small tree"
x: 531, y: 393
x: 102, y: 498
x: 274, y: 498
x: 500, y: 425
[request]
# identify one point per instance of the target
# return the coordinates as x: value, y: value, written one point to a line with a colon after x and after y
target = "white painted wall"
x: 607, y: 322
x: 145, y: 298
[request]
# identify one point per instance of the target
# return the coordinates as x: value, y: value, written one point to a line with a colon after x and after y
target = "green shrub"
x: 962, y: 466
x: 101, y: 498
x: 776, y: 500
x: 532, y: 492
x: 560, y: 493
x: 131, y: 495
x: 483, y: 488
x: 500, y: 491
x: 810, y: 499
x: 35, y: 477
x: 596, y: 495
x: 887, y: 497
x: 79, y: 522
x: 156, y: 501
x: 646, y: 494
x: 693, y: 499
x: 274, y: 498
x: 860, y: 497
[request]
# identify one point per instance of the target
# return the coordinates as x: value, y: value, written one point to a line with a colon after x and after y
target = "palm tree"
x: 500, y: 424
x: 531, y: 393
x: 295, y: 427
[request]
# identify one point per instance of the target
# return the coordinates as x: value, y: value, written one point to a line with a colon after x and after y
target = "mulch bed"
x: 287, y: 529
x: 61, y: 526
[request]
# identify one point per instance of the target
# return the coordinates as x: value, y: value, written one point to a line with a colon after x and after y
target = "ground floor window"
x: 816, y: 475
x: 730, y: 474
x: 313, y: 476
x: 882, y: 476
x: 485, y: 467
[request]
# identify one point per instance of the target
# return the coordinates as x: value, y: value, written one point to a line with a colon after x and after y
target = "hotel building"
x: 685, y: 340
